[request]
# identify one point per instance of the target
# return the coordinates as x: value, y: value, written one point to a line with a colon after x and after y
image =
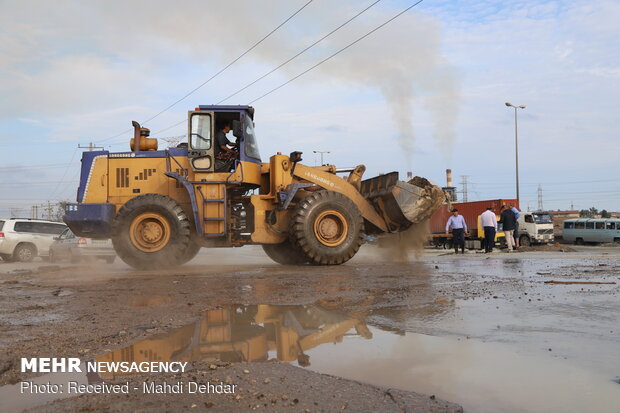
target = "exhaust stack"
x: 449, y: 188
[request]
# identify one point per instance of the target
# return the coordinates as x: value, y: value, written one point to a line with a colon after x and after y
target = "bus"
x: 584, y: 230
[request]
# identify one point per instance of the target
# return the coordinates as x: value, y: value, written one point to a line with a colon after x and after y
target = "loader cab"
x: 205, y: 121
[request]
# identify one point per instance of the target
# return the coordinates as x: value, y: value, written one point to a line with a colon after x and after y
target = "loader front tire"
x: 328, y: 227
x: 151, y: 231
x: 285, y: 253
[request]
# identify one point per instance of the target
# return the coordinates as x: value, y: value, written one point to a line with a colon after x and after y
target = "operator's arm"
x: 222, y: 141
x: 464, y: 224
x: 448, y: 225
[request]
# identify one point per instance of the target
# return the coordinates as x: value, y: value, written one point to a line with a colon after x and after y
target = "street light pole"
x: 321, y: 152
x: 516, y: 145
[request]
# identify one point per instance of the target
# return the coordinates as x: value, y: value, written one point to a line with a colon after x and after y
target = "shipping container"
x: 470, y: 212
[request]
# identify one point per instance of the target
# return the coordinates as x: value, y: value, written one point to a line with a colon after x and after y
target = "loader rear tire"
x: 285, y: 253
x: 328, y: 227
x: 192, y: 250
x: 151, y: 231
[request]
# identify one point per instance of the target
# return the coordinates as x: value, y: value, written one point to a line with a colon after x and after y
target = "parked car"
x: 24, y: 239
x: 69, y: 247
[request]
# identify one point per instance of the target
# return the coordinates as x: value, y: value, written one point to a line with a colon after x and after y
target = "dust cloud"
x: 396, y: 247
x: 403, y: 61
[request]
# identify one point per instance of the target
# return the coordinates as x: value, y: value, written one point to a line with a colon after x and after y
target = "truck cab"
x: 535, y: 228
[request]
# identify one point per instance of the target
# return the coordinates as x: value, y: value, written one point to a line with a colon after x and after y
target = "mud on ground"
x: 89, y: 310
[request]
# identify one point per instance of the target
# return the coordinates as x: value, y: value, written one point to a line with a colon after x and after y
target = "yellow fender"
x: 334, y: 183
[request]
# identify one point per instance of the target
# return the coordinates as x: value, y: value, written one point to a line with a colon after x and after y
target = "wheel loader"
x: 160, y: 207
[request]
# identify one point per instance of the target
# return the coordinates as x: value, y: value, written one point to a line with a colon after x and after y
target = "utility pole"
x: 572, y: 206
x: 49, y: 211
x: 464, y: 183
x: 516, y: 146
x: 540, y: 198
x: 90, y: 147
x: 322, y: 153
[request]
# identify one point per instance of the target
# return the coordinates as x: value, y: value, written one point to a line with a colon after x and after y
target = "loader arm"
x: 335, y: 183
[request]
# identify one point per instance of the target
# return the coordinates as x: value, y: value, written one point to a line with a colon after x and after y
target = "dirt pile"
x: 546, y: 247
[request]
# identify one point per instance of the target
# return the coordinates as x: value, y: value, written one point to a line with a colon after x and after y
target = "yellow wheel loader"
x: 160, y: 207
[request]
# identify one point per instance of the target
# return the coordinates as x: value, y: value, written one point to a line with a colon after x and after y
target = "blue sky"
x: 424, y: 93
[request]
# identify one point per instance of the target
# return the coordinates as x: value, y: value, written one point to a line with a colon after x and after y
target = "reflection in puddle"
x: 247, y: 333
x: 483, y: 377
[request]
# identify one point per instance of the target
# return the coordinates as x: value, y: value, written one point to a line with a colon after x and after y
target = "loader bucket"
x: 402, y: 203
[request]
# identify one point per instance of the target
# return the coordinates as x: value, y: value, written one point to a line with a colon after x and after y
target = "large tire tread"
x: 302, y: 236
x: 173, y: 254
x: 190, y: 252
x: 285, y: 253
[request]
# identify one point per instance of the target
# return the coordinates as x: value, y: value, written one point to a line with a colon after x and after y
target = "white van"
x: 535, y: 228
x: 24, y: 239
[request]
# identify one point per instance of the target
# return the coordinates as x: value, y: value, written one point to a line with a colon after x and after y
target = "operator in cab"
x: 224, y: 156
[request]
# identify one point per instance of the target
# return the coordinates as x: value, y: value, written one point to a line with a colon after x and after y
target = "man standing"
x: 459, y: 228
x: 488, y: 220
x: 517, y: 215
x: 508, y: 221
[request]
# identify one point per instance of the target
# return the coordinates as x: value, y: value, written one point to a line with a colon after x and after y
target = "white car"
x: 24, y: 239
x: 69, y: 247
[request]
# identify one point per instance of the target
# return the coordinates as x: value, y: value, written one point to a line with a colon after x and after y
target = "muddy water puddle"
x: 483, y: 376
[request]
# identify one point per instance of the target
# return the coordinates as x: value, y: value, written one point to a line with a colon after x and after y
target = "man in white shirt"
x: 488, y: 221
x: 459, y: 228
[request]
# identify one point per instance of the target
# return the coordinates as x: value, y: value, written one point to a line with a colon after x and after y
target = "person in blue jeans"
x: 459, y: 228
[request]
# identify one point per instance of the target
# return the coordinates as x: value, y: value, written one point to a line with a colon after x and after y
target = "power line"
x: 496, y: 184
x: 216, y: 74
x: 50, y: 166
x: 64, y: 173
x: 300, y: 53
x: 338, y: 52
x: 281, y: 64
x: 37, y: 183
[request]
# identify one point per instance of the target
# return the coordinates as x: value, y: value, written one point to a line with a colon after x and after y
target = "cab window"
x: 201, y: 131
x: 589, y: 225
x: 529, y: 219
x: 610, y: 225
x: 599, y: 225
x: 569, y: 225
x: 250, y: 146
